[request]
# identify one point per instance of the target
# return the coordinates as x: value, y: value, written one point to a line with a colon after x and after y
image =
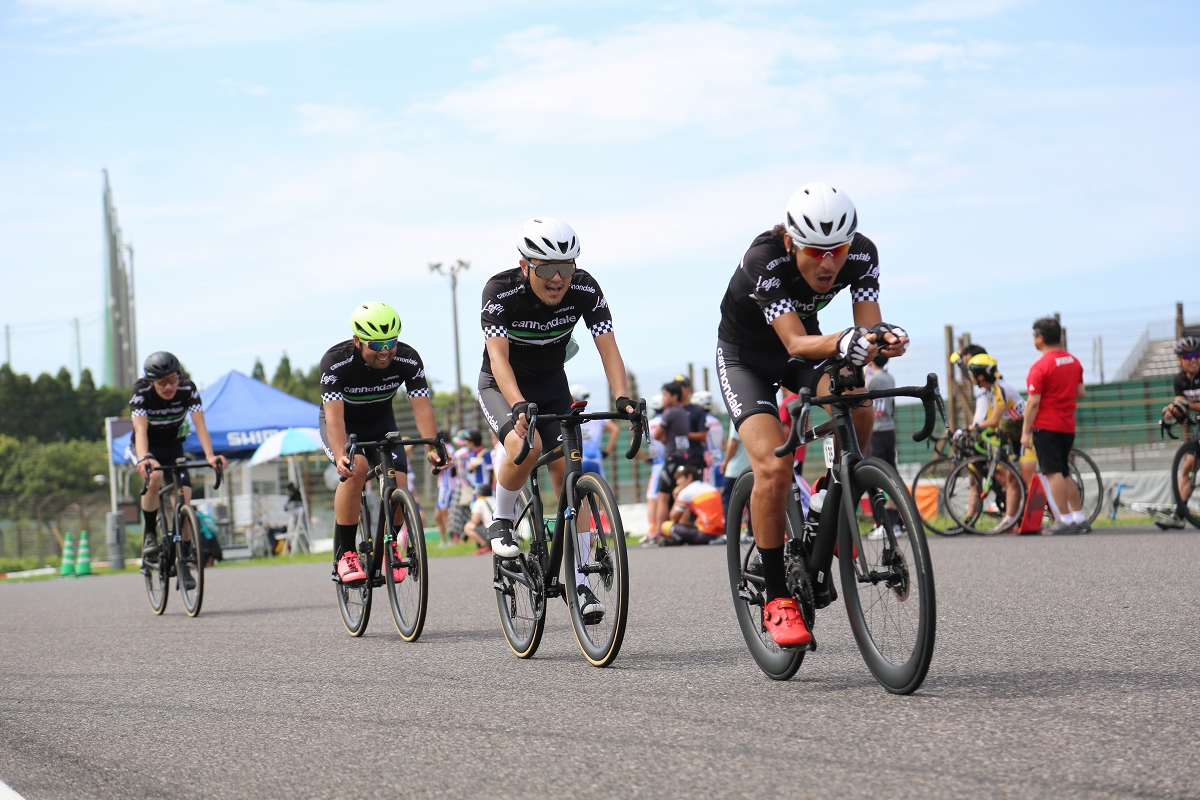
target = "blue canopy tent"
x: 240, y: 413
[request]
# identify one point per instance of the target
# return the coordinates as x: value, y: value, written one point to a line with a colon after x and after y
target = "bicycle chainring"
x: 796, y: 574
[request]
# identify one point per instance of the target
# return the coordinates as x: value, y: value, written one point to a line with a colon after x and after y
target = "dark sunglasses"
x: 381, y: 345
x: 547, y: 269
x: 1189, y: 356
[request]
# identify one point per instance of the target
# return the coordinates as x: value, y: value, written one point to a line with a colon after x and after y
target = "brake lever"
x: 797, y: 408
x: 220, y: 476
x: 638, y: 418
x: 531, y: 415
x: 351, y: 450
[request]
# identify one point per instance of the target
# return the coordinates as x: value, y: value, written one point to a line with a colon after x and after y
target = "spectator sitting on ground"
x: 697, y: 517
x: 481, y: 516
x: 1055, y: 384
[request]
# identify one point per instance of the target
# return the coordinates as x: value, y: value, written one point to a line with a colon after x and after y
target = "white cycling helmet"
x: 703, y: 399
x: 655, y: 402
x: 820, y: 216
x: 580, y: 392
x: 548, y: 239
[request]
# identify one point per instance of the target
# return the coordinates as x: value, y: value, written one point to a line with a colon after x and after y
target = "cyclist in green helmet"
x: 359, y: 378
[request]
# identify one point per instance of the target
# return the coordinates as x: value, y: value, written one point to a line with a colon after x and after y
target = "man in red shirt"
x: 1055, y: 383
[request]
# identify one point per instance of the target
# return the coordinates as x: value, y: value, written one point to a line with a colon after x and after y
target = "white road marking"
x: 6, y: 792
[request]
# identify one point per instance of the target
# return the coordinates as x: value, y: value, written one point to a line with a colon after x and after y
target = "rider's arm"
x: 497, y: 348
x: 423, y: 415
x: 203, y: 435
x: 798, y: 342
x: 141, y: 436
x: 335, y: 426
x: 614, y: 365
x: 1031, y: 411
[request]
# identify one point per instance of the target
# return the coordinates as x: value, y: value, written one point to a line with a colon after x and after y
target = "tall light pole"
x: 452, y: 271
x: 132, y: 311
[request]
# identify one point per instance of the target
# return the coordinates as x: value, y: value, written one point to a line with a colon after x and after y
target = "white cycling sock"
x: 583, y: 544
x: 506, y: 502
x: 1079, y: 516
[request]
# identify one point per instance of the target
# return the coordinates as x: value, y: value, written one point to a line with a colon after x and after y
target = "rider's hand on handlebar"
x: 345, y: 467
x: 145, y: 466
x: 435, y: 458
x: 216, y: 462
x: 892, y: 340
x: 520, y: 419
x: 624, y: 405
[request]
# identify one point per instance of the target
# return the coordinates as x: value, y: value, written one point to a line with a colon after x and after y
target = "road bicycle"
x: 1189, y: 509
x: 587, y: 536
x: 887, y: 581
x: 930, y: 482
x: 392, y: 557
x: 178, y: 531
x: 976, y: 491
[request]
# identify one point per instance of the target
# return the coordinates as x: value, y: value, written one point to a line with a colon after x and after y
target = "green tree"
x: 33, y: 470
x: 283, y: 374
x: 51, y: 409
x: 259, y: 374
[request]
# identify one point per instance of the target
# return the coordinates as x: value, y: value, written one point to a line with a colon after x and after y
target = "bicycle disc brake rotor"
x: 605, y: 565
x: 899, y: 580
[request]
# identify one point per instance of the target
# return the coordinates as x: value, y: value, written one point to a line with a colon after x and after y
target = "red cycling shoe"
x: 399, y: 573
x: 782, y: 619
x: 349, y: 569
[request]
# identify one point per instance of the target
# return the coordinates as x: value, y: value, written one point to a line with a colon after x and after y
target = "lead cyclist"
x: 768, y: 314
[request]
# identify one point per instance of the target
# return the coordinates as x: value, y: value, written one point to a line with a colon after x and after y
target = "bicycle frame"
x: 572, y: 450
x: 175, y: 490
x: 385, y: 528
x: 838, y: 508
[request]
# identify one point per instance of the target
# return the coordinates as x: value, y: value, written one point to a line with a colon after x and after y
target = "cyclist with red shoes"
x: 359, y: 378
x: 768, y: 315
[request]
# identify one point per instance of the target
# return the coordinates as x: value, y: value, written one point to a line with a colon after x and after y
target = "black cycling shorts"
x: 165, y: 455
x: 368, y: 433
x: 750, y: 379
x: 1053, y: 451
x: 552, y: 395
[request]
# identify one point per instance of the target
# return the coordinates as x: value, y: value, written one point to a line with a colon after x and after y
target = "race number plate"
x: 830, y: 457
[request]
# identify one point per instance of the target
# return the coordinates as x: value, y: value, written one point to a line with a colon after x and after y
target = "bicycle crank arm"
x: 499, y: 586
x: 752, y: 597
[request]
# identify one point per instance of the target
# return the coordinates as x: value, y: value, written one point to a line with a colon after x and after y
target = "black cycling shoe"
x: 501, y: 539
x: 189, y: 582
x: 150, y: 548
x: 591, y: 609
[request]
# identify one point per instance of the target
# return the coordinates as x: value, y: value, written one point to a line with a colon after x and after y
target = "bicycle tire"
x: 157, y: 571
x: 990, y: 508
x: 189, y: 561
x: 408, y: 597
x: 901, y: 668
x: 521, y: 604
x: 1191, y: 509
x: 354, y: 599
x: 933, y: 475
x: 1089, y: 482
x: 600, y: 638
x: 748, y: 596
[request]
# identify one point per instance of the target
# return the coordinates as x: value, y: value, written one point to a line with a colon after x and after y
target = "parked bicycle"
x: 887, y: 582
x: 587, y: 537
x: 179, y: 535
x: 393, y: 556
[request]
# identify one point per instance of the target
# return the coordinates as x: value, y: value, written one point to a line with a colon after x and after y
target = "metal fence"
x: 32, y: 530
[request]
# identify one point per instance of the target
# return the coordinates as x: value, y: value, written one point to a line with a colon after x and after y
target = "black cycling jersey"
x: 538, y: 333
x: 767, y: 285
x: 367, y: 391
x: 1187, y: 388
x: 165, y: 416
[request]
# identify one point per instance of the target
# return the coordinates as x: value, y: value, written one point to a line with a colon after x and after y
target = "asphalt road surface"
x: 1065, y: 667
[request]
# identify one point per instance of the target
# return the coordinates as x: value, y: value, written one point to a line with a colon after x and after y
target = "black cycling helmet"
x: 1188, y: 344
x: 161, y: 364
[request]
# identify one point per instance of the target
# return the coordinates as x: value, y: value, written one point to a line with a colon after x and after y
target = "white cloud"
x: 318, y: 118
x: 946, y: 10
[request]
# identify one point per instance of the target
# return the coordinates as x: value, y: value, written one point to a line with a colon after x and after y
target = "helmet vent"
x: 853, y: 224
x: 529, y: 243
x: 549, y: 244
x: 841, y: 222
x: 563, y: 246
x: 826, y: 227
x: 811, y: 227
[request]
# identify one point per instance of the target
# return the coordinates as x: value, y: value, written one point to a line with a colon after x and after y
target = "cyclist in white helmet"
x: 528, y: 315
x: 768, y: 314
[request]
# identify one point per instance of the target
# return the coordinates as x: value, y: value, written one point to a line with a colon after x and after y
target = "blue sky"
x: 275, y: 162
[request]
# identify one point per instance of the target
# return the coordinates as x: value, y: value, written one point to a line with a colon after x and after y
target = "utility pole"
x: 132, y: 312
x: 78, y: 354
x: 452, y: 273
x: 8, y: 345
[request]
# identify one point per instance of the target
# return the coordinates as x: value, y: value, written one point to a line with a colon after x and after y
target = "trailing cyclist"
x: 161, y: 401
x: 359, y: 378
x: 1005, y: 415
x: 527, y: 317
x: 769, y: 314
x: 1187, y: 400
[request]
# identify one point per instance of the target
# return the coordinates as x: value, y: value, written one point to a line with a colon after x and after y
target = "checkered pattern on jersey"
x: 601, y: 328
x: 328, y: 396
x: 419, y: 393
x: 138, y: 412
x: 865, y: 295
x: 493, y: 331
x: 778, y: 309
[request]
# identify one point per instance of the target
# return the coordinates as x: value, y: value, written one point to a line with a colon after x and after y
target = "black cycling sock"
x: 772, y: 562
x: 151, y: 520
x: 343, y: 539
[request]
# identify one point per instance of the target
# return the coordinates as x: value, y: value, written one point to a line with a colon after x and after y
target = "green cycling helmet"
x: 374, y: 321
